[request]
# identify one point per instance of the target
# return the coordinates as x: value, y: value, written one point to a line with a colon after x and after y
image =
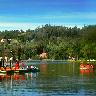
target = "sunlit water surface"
x: 54, y: 79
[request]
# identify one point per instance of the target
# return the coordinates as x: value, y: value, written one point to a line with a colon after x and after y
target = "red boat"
x: 86, y: 66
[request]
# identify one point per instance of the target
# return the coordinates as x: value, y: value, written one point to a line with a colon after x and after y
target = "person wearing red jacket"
x: 17, y: 65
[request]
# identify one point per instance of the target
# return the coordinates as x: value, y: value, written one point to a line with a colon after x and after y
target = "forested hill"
x: 59, y: 42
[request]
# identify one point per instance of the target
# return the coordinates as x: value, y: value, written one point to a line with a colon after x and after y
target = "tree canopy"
x: 59, y: 42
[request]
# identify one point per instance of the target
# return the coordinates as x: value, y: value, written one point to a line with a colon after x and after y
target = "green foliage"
x: 59, y: 42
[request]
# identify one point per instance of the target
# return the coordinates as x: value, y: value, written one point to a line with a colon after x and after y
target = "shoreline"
x: 50, y: 60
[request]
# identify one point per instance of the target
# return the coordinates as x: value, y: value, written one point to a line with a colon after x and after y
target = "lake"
x: 54, y: 79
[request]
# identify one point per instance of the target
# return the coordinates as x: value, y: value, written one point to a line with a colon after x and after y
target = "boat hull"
x: 19, y: 71
x: 86, y: 68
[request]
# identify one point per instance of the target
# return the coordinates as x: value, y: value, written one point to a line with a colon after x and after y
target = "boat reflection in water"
x: 86, y: 71
x: 17, y: 76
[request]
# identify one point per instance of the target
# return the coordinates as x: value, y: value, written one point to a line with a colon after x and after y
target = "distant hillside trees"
x: 59, y: 42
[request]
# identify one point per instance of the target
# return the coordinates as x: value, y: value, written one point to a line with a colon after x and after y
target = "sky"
x: 30, y: 14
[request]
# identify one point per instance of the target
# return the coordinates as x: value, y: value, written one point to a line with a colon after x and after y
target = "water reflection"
x: 67, y: 79
x: 17, y: 76
x: 86, y: 72
x: 16, y: 84
x: 52, y: 80
x: 43, y: 67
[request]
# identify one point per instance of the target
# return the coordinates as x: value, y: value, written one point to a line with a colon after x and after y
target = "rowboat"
x: 20, y: 70
x: 86, y: 66
x: 2, y: 72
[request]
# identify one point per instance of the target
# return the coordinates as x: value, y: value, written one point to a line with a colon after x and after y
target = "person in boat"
x: 32, y: 67
x: 6, y: 60
x: 13, y: 68
x: 82, y: 66
x: 22, y: 65
x: 27, y: 67
x: 17, y: 65
x: 11, y: 61
x: 8, y: 68
x: 2, y: 68
x: 92, y: 66
x: 88, y: 66
x: 0, y: 61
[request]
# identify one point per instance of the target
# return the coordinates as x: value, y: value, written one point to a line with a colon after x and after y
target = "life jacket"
x: 91, y: 66
x: 87, y: 66
x: 82, y: 66
x: 8, y: 68
x: 16, y: 66
x: 13, y: 68
x: 2, y: 68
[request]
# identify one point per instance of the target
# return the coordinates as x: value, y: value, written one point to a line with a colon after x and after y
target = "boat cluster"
x: 86, y: 66
x: 16, y: 68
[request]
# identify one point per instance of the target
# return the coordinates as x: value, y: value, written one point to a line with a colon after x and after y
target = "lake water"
x: 54, y: 79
